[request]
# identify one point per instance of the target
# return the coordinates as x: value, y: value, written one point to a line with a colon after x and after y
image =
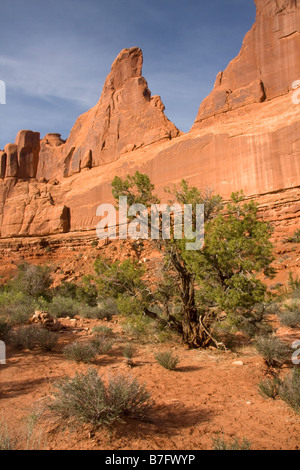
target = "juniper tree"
x: 223, y: 276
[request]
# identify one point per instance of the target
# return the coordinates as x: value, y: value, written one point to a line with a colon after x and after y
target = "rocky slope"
x: 246, y: 136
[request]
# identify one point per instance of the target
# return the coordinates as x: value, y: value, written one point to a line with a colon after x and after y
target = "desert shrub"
x: 105, y: 330
x: 102, y: 343
x: 269, y: 387
x: 32, y: 280
x: 145, y: 329
x: 109, y: 307
x: 5, y: 329
x: 289, y: 389
x: 97, y: 313
x: 28, y: 337
x: 7, y: 439
x: 80, y: 352
x: 219, y: 443
x: 167, y: 360
x: 274, y: 351
x: 24, y: 337
x: 63, y: 307
x: 86, y: 398
x: 290, y: 318
x: 294, y: 238
x: 129, y: 305
x: 128, y: 351
x: 47, y: 340
x: 16, y: 307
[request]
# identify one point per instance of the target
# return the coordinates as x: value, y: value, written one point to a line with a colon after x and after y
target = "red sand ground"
x: 206, y: 395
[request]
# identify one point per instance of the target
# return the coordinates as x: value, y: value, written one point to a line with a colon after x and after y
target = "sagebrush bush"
x: 16, y: 307
x: 167, y: 360
x: 128, y: 351
x: 47, y: 340
x: 24, y: 337
x: 32, y: 280
x: 80, y: 352
x: 63, y: 307
x: 290, y: 319
x: 274, y: 351
x: 289, y: 389
x: 269, y: 387
x: 29, y: 337
x: 86, y: 398
x: 103, y: 330
x: 102, y: 343
x: 7, y: 440
x: 219, y: 443
x: 5, y: 329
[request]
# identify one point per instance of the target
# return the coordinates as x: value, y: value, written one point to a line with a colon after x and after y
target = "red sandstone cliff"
x: 246, y: 136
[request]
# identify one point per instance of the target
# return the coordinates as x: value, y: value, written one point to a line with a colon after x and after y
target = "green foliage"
x: 273, y: 350
x: 128, y: 351
x: 23, y: 337
x: 102, y: 343
x: 47, y: 340
x: 61, y: 306
x: 219, y: 443
x: 295, y: 238
x: 86, y: 398
x: 32, y: 280
x: 16, y: 307
x: 8, y: 441
x: 269, y: 387
x: 224, y: 276
x: 290, y: 318
x: 167, y: 360
x: 105, y: 330
x: 289, y: 390
x: 86, y: 292
x: 128, y: 305
x: 5, y: 329
x: 119, y: 277
x: 138, y: 189
x: 237, y: 248
x: 29, y: 337
x: 80, y: 352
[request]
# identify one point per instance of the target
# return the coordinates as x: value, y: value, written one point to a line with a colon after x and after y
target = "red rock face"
x: 126, y: 118
x: 246, y: 136
x: 267, y: 64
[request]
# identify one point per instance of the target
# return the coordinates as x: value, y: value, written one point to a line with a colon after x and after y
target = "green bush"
x: 294, y: 238
x: 102, y: 343
x: 274, y: 351
x: 289, y: 390
x: 269, y: 387
x: 167, y: 360
x: 63, y: 307
x: 86, y: 398
x: 24, y: 337
x: 80, y: 352
x: 105, y: 330
x: 5, y: 328
x: 47, y: 340
x: 219, y: 443
x: 291, y: 316
x: 128, y: 351
x: 29, y: 337
x: 7, y: 440
x: 16, y: 307
x: 32, y: 280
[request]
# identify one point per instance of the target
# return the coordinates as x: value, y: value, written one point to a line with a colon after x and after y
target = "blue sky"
x: 55, y: 55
